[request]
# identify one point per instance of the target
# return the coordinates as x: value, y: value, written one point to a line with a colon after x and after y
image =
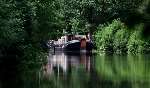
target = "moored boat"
x: 74, y: 43
x: 78, y: 45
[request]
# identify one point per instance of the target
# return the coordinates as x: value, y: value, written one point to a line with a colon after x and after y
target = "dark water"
x: 79, y: 70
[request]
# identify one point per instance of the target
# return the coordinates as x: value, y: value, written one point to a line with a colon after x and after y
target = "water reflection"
x: 78, y: 70
x: 82, y: 70
x: 62, y: 63
x: 128, y: 71
x: 128, y: 67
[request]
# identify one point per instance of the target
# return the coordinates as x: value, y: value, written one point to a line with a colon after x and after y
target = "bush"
x: 136, y: 43
x: 121, y: 39
x: 104, y: 39
x: 116, y: 37
x: 105, y: 35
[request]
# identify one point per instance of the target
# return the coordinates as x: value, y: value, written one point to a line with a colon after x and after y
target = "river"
x: 82, y: 70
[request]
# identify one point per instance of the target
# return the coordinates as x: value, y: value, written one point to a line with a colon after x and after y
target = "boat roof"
x: 74, y: 35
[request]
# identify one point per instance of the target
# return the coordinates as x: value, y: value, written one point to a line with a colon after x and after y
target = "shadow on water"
x: 8, y: 73
x: 78, y: 70
x: 13, y: 74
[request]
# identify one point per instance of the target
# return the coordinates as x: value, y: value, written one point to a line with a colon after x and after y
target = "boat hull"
x: 74, y: 46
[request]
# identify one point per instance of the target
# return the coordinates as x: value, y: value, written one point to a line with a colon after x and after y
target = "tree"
x: 24, y: 26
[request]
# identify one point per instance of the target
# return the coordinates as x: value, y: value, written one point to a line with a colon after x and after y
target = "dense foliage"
x: 20, y: 36
x: 132, y: 32
x: 117, y: 37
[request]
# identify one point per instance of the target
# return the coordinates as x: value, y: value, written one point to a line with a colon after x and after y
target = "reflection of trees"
x: 131, y: 68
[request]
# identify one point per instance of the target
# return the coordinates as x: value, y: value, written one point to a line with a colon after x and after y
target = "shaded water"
x: 80, y: 70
